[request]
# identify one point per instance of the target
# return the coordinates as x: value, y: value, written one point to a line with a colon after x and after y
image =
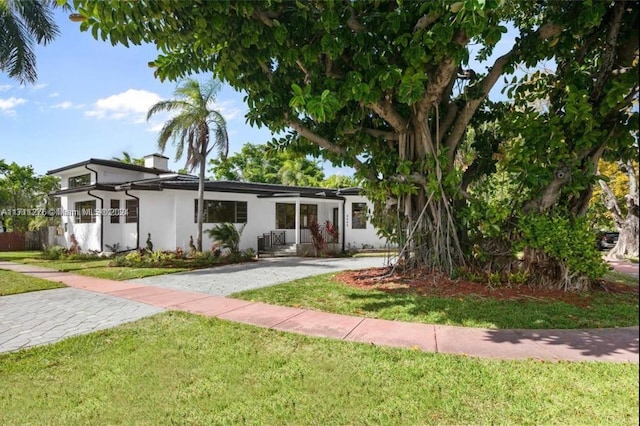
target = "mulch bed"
x: 429, y: 284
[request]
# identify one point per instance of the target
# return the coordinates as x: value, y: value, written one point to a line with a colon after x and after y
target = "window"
x: 115, y: 214
x: 216, y: 211
x: 85, y: 211
x: 359, y: 215
x: 132, y: 210
x: 286, y: 215
x: 81, y: 180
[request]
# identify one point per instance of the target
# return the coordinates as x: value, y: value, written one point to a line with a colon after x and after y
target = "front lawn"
x: 99, y: 268
x: 15, y: 283
x: 322, y: 293
x: 109, y: 268
x: 177, y: 368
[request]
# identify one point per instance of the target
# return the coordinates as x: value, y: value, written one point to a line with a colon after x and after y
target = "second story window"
x: 80, y: 180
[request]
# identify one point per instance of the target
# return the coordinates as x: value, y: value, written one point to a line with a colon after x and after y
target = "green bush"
x: 227, y: 235
x: 54, y: 252
x: 567, y: 241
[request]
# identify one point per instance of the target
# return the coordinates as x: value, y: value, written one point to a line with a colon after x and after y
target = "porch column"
x: 297, y: 221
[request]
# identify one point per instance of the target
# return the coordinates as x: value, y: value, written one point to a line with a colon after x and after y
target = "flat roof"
x: 109, y: 163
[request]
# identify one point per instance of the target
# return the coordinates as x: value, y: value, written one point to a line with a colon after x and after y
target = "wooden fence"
x: 12, y: 241
x: 30, y: 240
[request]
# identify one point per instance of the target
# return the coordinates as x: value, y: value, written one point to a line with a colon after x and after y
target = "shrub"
x: 567, y: 242
x: 133, y: 257
x: 54, y: 252
x: 227, y: 235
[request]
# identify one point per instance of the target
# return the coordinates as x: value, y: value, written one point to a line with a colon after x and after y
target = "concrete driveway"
x: 225, y: 280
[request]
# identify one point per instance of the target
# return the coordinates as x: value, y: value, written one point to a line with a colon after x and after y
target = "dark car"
x: 607, y: 240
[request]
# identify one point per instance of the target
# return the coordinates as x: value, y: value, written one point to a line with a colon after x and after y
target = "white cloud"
x: 4, y: 87
x: 63, y: 105
x: 54, y: 95
x: 228, y: 110
x: 7, y: 105
x: 132, y: 105
x: 155, y: 126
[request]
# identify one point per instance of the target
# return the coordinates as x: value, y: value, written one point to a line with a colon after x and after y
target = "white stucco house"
x: 107, y: 204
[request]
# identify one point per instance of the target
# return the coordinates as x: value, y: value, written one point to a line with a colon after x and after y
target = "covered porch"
x: 298, y: 218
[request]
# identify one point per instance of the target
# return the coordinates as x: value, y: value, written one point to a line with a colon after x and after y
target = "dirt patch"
x: 429, y: 284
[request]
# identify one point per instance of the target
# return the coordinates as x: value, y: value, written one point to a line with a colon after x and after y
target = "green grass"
x: 323, y: 294
x: 621, y: 278
x: 15, y: 283
x: 18, y: 256
x: 177, y: 368
x: 98, y: 268
x: 101, y: 267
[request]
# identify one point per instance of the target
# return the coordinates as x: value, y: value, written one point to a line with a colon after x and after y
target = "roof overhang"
x: 85, y: 188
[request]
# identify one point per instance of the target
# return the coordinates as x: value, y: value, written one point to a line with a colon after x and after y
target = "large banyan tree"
x: 392, y: 88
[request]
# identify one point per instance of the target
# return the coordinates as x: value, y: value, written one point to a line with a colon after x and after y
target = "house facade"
x: 108, y: 206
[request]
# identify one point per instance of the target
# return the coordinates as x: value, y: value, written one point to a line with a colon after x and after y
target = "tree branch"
x: 321, y: 142
x: 267, y: 71
x: 307, y: 75
x: 454, y: 137
x: 609, y: 201
x: 425, y: 21
x: 385, y: 110
x: 441, y: 79
x: 631, y: 174
x: 561, y: 176
x: 386, y: 135
x: 266, y: 17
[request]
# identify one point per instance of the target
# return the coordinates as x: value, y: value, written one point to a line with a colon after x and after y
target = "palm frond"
x: 23, y: 23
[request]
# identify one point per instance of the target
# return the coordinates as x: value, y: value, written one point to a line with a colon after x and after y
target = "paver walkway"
x: 611, y: 345
x: 225, y: 280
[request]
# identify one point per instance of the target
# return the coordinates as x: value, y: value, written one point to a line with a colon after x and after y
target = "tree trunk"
x: 627, y: 245
x: 200, y: 202
x: 425, y: 217
x: 546, y: 272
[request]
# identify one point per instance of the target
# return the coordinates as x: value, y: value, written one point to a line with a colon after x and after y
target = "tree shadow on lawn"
x: 448, y: 310
x: 593, y: 342
x: 564, y: 343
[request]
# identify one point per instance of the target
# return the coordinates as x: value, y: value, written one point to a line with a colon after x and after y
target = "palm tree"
x: 128, y: 159
x: 22, y: 24
x: 191, y: 129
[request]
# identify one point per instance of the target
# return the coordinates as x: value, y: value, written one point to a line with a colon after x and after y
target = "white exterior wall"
x: 105, y: 175
x: 123, y: 233
x: 113, y: 175
x: 168, y: 215
x: 87, y: 234
x: 357, y: 238
x: 259, y: 218
x: 157, y: 217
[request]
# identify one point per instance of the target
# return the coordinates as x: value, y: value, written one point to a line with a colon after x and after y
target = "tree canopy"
x: 386, y: 87
x: 258, y: 163
x: 24, y: 197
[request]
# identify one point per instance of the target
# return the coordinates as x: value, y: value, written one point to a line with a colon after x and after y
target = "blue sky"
x: 90, y: 101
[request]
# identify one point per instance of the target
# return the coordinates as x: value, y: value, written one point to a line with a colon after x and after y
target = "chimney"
x: 156, y: 161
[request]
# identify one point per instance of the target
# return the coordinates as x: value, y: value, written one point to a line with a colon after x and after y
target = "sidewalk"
x: 624, y: 267
x: 610, y: 345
